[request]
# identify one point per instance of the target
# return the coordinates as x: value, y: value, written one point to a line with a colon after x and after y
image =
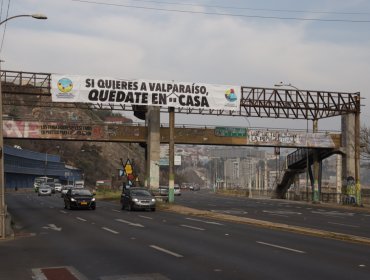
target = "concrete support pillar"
x: 348, y: 144
x: 153, y: 147
x: 357, y: 155
x: 339, y: 177
x: 351, y: 160
x: 315, y: 191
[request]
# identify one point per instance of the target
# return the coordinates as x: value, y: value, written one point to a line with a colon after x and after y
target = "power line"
x: 2, y: 39
x: 252, y: 9
x: 220, y: 14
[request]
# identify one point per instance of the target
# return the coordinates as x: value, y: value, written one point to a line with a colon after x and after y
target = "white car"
x: 44, y: 190
x: 65, y: 190
x: 176, y: 190
x: 58, y: 187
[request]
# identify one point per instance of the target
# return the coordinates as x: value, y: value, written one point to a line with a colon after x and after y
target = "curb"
x: 267, y: 224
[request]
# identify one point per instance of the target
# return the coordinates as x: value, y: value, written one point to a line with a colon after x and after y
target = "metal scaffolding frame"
x: 254, y: 102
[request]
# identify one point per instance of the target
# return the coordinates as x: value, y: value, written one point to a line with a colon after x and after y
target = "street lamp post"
x: 2, y: 187
x: 281, y: 84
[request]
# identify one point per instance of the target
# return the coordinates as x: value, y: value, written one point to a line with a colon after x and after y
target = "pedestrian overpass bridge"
x: 192, y: 135
x: 289, y: 103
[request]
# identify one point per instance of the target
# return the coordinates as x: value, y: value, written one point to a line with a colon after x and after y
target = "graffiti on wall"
x: 266, y: 137
x: 275, y: 137
x: 51, y: 130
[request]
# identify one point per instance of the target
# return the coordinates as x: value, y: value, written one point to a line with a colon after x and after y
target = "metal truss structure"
x: 255, y: 101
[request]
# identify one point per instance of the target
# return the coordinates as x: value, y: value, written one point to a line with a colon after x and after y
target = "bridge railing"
x: 25, y: 82
x: 298, y: 155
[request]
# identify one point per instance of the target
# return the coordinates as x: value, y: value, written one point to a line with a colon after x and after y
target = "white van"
x: 79, y: 184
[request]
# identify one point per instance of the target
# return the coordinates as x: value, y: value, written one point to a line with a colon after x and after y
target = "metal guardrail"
x: 298, y: 155
x: 25, y: 82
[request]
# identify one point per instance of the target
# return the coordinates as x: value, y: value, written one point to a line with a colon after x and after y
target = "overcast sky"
x: 312, y: 44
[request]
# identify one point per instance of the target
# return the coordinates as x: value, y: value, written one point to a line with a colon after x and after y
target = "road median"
x: 266, y: 224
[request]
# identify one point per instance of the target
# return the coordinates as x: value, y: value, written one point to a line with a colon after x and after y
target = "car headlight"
x: 135, y: 199
x: 93, y: 199
x: 72, y: 199
x: 153, y: 199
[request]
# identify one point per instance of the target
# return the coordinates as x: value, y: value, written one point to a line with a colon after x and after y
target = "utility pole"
x: 171, y: 184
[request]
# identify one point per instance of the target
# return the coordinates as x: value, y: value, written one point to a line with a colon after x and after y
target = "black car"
x: 137, y: 198
x: 79, y: 198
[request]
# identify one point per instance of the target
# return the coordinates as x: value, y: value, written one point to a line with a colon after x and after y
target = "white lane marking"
x: 81, y: 219
x: 282, y: 212
x: 146, y: 217
x: 332, y: 213
x: 279, y: 215
x: 197, y: 228
x: 64, y: 212
x: 166, y: 251
x: 110, y: 230
x: 115, y: 210
x: 53, y: 227
x: 345, y: 225
x: 129, y: 223
x: 207, y: 222
x: 281, y: 247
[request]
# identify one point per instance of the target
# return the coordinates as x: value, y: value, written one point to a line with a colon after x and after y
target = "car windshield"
x: 81, y: 192
x: 140, y: 193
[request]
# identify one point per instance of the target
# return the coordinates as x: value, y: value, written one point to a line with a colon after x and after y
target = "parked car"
x: 44, y: 189
x: 137, y: 198
x: 79, y: 198
x: 194, y: 188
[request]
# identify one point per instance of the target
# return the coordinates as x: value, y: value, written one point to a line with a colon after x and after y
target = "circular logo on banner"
x: 65, y: 85
x: 230, y: 95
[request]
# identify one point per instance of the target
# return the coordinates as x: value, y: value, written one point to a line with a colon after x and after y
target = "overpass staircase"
x: 297, y: 163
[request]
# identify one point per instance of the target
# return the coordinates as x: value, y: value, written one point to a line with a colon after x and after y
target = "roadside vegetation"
x: 104, y: 194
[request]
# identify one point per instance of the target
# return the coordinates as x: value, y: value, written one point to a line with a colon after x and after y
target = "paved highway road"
x: 349, y: 220
x: 111, y: 244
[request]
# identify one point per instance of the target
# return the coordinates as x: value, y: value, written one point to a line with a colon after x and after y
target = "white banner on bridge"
x: 84, y: 89
x: 284, y: 138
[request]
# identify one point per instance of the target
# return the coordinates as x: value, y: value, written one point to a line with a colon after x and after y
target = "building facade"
x: 21, y: 167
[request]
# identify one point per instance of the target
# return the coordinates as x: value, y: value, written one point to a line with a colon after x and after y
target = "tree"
x: 365, y: 143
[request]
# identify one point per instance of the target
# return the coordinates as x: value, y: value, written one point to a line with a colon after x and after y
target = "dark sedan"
x: 137, y: 198
x: 79, y: 198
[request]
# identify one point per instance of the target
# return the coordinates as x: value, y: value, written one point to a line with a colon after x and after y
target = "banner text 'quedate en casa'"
x: 85, y: 89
